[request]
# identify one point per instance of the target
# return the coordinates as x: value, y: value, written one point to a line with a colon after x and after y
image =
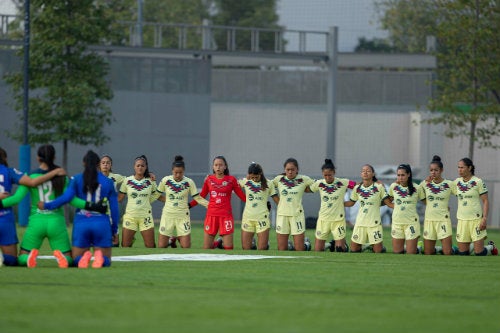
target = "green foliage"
x: 376, y: 45
x: 249, y: 13
x: 69, y: 91
x: 467, y: 98
x: 468, y: 82
x: 409, y: 22
x: 156, y: 16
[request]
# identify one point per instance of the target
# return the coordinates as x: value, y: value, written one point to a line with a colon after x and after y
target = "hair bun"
x: 436, y: 158
x: 328, y: 161
x: 178, y: 158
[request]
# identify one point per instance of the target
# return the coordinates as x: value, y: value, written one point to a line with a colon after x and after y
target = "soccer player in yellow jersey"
x: 472, y: 212
x: 141, y: 191
x: 331, y: 216
x: 370, y: 195
x: 105, y: 165
x: 175, y: 215
x: 255, y: 219
x: 404, y: 196
x: 437, y: 222
x: 290, y: 219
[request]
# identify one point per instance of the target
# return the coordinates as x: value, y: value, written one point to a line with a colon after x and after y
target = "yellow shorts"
x: 171, y: 223
x: 325, y: 227
x: 138, y: 223
x: 291, y: 225
x: 406, y: 231
x: 255, y: 225
x: 437, y: 230
x: 367, y: 235
x: 468, y: 231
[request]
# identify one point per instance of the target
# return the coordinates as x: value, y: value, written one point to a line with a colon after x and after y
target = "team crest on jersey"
x: 464, y: 187
x: 139, y: 186
x: 368, y: 192
x: 330, y: 188
x: 174, y: 187
x: 437, y: 189
x: 290, y: 183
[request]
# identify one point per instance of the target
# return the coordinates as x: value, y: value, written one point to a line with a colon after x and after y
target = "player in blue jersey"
x: 91, y: 229
x: 8, y: 178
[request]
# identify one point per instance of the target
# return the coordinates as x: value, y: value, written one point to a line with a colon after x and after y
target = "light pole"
x: 25, y: 149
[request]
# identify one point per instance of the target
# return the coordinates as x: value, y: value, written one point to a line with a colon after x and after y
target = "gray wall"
x: 165, y: 107
x: 161, y: 109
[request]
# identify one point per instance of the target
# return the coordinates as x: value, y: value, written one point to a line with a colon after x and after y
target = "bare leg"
x: 127, y: 237
x: 282, y: 242
x: 185, y: 241
x: 149, y: 237
x: 208, y: 241
x: 263, y: 240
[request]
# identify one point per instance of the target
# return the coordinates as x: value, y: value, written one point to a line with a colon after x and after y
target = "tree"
x: 156, y: 16
x: 69, y: 90
x: 468, y: 82
x: 376, y: 45
x: 409, y: 22
x: 467, y: 98
x: 249, y: 13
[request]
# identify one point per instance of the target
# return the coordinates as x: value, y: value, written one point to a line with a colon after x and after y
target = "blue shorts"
x: 8, y: 234
x: 93, y: 231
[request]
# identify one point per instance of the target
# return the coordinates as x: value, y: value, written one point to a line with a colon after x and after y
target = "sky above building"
x: 354, y: 18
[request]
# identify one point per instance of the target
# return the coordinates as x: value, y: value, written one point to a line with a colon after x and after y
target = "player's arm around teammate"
x: 8, y: 236
x: 175, y: 217
x: 105, y: 166
x: 91, y: 229
x: 141, y: 191
x: 290, y: 219
x: 331, y: 215
x: 404, y: 196
x: 219, y: 217
x: 368, y: 228
x: 256, y: 215
x: 437, y: 222
x: 472, y: 212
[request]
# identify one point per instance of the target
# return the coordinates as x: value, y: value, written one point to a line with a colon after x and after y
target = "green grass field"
x: 312, y: 292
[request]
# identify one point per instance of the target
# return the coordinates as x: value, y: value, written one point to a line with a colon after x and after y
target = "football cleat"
x: 218, y: 243
x: 32, y: 258
x: 172, y: 242
x: 494, y: 250
x: 85, y: 259
x: 307, y: 244
x: 62, y: 262
x: 98, y: 259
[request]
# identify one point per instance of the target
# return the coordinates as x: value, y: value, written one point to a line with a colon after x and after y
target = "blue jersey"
x: 106, y: 189
x: 8, y: 177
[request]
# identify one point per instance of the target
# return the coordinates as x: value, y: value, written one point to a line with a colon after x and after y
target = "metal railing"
x: 206, y: 37
x: 223, y: 38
